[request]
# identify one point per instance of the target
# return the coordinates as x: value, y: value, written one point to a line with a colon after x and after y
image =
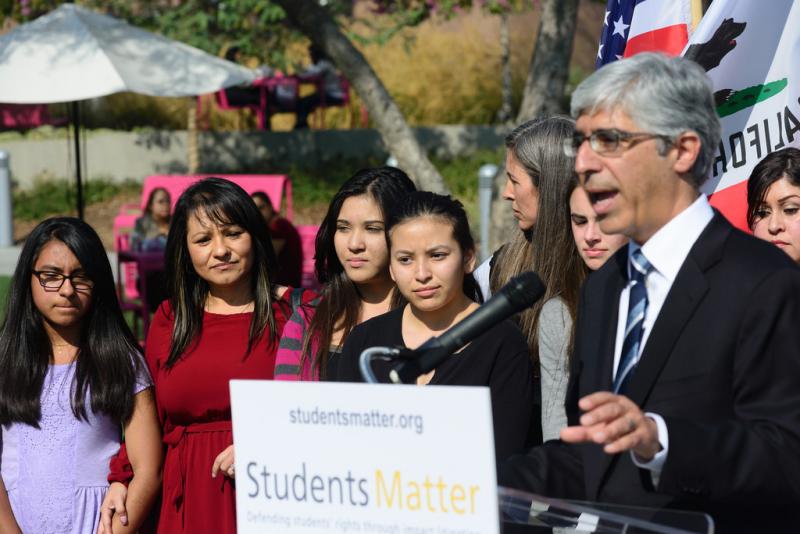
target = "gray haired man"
x: 685, y: 377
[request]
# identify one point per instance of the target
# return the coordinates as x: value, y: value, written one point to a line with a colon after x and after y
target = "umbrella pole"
x: 76, y: 125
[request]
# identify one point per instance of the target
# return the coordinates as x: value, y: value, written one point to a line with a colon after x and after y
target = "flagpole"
x: 697, y: 13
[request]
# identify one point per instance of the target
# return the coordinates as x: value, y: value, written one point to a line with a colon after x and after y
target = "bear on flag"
x: 749, y: 50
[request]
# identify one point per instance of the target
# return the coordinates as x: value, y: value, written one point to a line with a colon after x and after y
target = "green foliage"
x: 417, y: 68
x: 316, y: 187
x: 461, y: 176
x: 409, y: 13
x: 258, y: 27
x: 461, y: 173
x: 50, y: 196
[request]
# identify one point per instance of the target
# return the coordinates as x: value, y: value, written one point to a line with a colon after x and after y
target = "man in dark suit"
x: 685, y: 377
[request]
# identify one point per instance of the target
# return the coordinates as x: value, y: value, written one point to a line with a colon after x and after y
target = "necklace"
x: 63, y: 349
x: 231, y: 310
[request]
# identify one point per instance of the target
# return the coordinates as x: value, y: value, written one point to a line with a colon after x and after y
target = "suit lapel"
x: 610, y: 303
x: 683, y: 298
x: 599, y: 366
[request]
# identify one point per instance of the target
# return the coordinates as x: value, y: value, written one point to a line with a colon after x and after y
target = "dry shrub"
x: 450, y: 72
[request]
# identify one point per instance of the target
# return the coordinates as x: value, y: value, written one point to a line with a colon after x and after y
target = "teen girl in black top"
x: 432, y: 256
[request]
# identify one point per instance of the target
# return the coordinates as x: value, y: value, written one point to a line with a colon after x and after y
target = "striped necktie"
x: 634, y: 327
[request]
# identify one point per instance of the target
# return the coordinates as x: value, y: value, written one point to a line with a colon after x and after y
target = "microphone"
x: 519, y: 293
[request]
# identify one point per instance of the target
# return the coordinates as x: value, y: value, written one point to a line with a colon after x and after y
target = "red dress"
x: 193, y: 399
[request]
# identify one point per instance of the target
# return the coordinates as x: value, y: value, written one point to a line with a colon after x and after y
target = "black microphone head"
x: 523, y: 290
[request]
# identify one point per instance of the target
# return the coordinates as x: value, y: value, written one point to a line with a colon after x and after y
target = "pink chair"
x: 261, y: 110
x: 276, y: 186
x: 267, y: 105
x: 308, y: 237
x: 127, y: 275
x: 26, y: 116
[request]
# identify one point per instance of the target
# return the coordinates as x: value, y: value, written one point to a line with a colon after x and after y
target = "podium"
x: 522, y: 512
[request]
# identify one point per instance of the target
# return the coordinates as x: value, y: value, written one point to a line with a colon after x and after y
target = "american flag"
x: 633, y: 26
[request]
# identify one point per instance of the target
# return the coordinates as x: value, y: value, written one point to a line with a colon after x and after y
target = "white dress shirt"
x: 666, y: 251
x: 481, y: 275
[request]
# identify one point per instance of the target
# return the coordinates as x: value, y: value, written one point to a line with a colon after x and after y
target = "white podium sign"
x: 359, y: 458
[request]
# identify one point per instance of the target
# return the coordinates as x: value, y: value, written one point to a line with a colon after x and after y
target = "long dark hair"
x: 443, y: 207
x: 340, y: 305
x: 223, y: 202
x: 780, y: 164
x: 148, y: 208
x: 549, y: 248
x: 108, y: 358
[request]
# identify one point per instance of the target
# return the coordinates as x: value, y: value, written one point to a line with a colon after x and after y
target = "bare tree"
x: 504, y: 113
x: 319, y: 26
x: 543, y: 93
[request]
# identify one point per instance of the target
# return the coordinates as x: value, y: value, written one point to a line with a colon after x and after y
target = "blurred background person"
x: 150, y: 235
x: 352, y: 264
x: 285, y: 241
x: 151, y: 229
x: 773, y: 200
x: 281, y: 96
x: 321, y: 70
x: 243, y: 95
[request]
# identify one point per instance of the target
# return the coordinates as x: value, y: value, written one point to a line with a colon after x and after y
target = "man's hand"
x: 615, y: 422
x: 224, y: 463
x: 113, y: 503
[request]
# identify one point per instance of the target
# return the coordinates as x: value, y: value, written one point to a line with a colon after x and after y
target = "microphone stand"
x: 379, y: 353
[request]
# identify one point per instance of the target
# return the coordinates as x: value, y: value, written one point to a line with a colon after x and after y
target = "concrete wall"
x: 131, y: 155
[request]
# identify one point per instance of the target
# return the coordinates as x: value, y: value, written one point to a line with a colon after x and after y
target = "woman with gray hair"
x: 538, y: 187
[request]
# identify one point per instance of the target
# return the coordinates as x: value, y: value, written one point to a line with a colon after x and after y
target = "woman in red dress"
x: 222, y: 322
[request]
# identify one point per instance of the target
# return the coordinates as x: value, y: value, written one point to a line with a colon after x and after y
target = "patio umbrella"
x: 73, y: 54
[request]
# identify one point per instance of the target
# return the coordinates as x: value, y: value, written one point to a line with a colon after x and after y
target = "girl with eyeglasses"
x: 72, y: 379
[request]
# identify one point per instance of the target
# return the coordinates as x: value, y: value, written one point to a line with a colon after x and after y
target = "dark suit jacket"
x: 721, y: 366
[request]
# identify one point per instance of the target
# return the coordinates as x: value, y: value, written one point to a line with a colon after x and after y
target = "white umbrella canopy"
x: 75, y: 54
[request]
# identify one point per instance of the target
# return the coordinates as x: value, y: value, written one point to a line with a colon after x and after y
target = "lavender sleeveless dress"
x: 56, y: 475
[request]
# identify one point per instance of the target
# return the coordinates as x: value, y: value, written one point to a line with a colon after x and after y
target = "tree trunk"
x: 549, y: 68
x: 192, y: 152
x: 543, y: 93
x: 318, y: 25
x: 504, y: 114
